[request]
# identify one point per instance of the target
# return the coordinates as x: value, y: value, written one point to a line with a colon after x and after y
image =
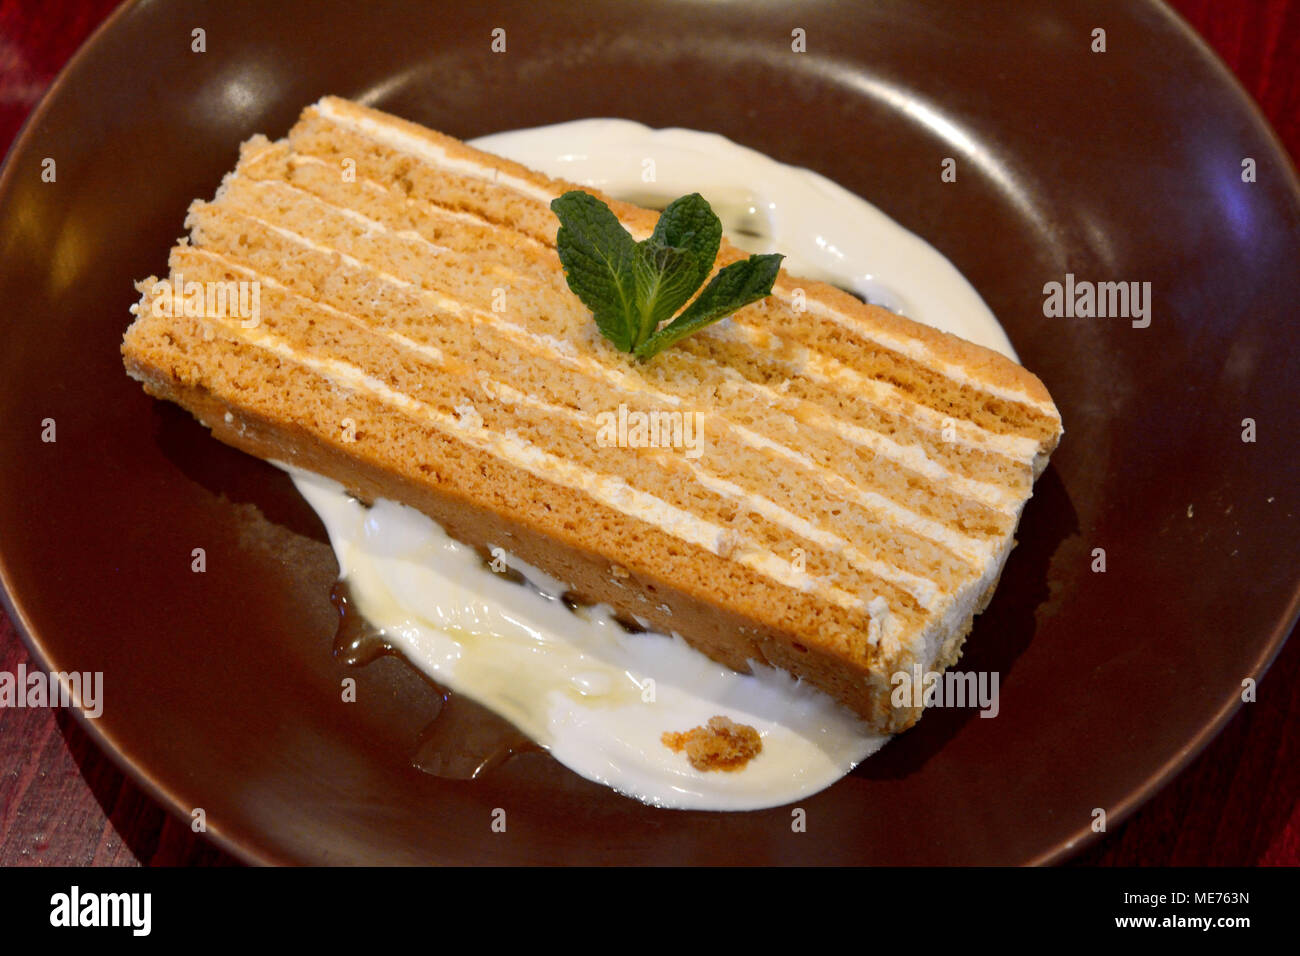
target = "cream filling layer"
x: 430, y: 152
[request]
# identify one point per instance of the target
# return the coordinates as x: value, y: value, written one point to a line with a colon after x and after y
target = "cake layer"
x: 854, y: 481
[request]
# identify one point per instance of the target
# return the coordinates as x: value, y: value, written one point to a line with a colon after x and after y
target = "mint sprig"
x: 632, y: 287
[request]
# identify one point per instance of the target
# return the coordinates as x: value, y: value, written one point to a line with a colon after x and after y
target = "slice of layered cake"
x: 385, y: 306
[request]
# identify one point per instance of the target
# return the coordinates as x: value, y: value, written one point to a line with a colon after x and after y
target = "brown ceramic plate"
x: 221, y: 691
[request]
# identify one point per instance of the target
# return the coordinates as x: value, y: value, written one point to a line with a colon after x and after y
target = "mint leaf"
x: 632, y: 287
x: 733, y: 288
x: 690, y: 223
x: 666, y: 276
x: 598, y: 256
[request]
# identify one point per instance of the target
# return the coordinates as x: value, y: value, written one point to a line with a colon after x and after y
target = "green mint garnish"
x: 633, y: 287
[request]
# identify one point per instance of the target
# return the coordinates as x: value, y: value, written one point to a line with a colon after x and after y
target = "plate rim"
x: 21, y: 625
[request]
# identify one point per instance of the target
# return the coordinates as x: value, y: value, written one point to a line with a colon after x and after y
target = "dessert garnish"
x: 633, y: 287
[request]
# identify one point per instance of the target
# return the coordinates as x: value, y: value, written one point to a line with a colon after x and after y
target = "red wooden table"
x: 63, y: 802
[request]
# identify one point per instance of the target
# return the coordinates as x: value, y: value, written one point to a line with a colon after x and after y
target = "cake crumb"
x: 722, y: 745
x: 726, y: 542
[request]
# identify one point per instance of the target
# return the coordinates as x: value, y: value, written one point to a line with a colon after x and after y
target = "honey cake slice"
x: 860, y: 476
